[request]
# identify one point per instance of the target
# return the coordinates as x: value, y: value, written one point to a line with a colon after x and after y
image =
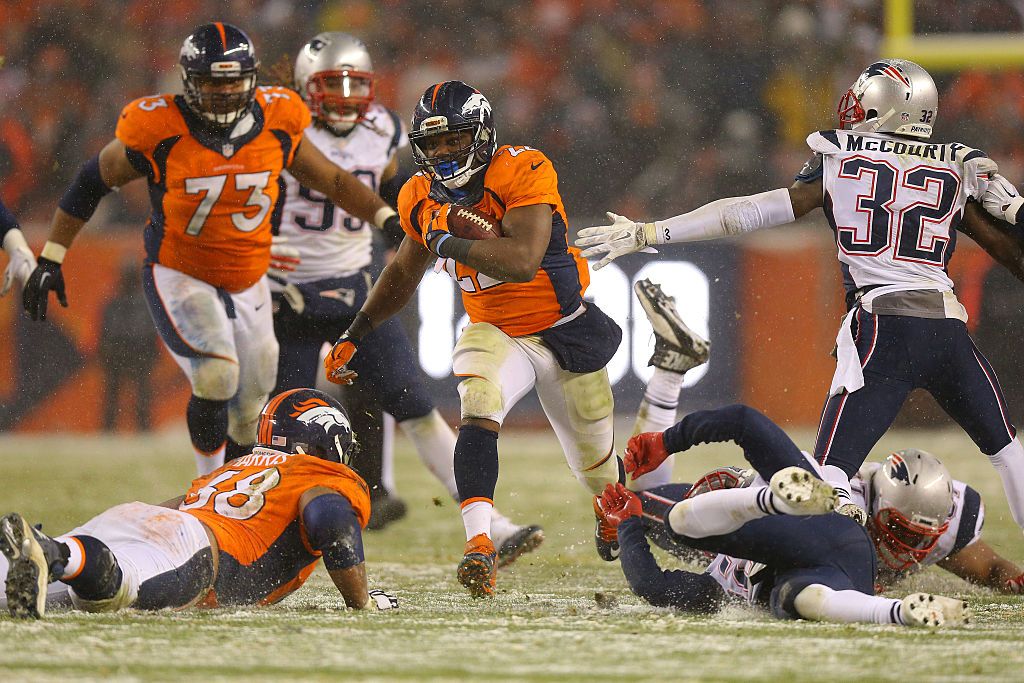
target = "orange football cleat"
x: 606, y: 534
x: 478, y: 570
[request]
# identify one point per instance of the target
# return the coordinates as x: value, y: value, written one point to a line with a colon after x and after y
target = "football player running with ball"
x: 529, y: 326
x: 895, y: 202
x: 213, y: 158
x: 328, y: 285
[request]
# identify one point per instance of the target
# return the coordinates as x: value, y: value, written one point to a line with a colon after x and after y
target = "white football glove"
x: 1001, y: 199
x: 609, y: 242
x: 383, y: 600
x: 283, y: 259
x: 22, y: 261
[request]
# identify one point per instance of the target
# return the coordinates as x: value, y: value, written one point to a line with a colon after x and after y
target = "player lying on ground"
x: 249, y: 533
x: 779, y: 544
x: 523, y: 291
x: 329, y: 283
x: 212, y: 158
x: 918, y: 516
x: 895, y: 202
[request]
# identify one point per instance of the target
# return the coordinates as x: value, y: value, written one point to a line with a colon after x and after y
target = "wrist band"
x: 54, y: 252
x: 383, y: 213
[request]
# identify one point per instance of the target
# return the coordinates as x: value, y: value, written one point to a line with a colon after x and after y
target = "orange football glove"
x: 436, y: 231
x: 336, y: 362
x: 644, y: 453
x: 619, y: 504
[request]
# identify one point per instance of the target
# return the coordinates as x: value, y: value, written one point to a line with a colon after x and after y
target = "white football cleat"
x: 677, y: 348
x: 933, y: 611
x: 798, y: 492
x: 32, y: 557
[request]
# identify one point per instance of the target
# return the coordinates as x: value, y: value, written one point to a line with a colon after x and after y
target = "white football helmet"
x: 911, y: 500
x: 891, y: 96
x: 334, y: 75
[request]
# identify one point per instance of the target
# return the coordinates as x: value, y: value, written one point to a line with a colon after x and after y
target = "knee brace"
x: 215, y: 379
x: 481, y: 399
x: 600, y: 474
x: 243, y: 417
x: 589, y: 398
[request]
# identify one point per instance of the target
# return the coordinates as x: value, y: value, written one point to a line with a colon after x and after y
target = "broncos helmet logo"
x: 899, y: 471
x: 475, y: 102
x: 318, y: 412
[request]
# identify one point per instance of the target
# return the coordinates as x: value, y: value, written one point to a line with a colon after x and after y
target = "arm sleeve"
x: 683, y: 590
x: 765, y: 446
x: 731, y: 216
x: 7, y: 222
x: 333, y: 529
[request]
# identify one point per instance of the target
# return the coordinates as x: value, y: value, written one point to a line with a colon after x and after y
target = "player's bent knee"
x: 590, y: 397
x: 124, y: 597
x: 600, y: 474
x: 481, y: 399
x: 215, y: 379
x: 810, y: 602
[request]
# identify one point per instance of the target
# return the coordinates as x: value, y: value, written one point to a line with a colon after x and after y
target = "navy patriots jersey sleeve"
x: 681, y: 589
x: 811, y: 171
x: 971, y: 520
x: 7, y: 222
x: 765, y: 446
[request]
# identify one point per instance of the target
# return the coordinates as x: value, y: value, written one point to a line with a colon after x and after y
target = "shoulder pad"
x: 144, y: 122
x: 824, y: 141
x: 283, y: 108
x: 972, y: 517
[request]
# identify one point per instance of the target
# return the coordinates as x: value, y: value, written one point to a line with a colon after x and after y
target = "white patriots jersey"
x: 332, y: 243
x: 894, y: 204
x: 964, y: 524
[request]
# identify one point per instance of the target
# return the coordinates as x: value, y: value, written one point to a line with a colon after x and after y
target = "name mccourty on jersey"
x: 857, y: 143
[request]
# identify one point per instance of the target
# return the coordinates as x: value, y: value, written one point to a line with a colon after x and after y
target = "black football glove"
x: 45, y: 278
x: 392, y: 231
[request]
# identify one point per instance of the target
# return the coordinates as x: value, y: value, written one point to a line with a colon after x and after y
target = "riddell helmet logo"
x: 440, y: 122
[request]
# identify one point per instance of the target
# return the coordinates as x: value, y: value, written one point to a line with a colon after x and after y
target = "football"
x: 471, y: 224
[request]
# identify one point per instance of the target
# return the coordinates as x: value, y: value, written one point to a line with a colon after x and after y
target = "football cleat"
x: 854, y: 512
x: 925, y: 609
x: 384, y: 510
x: 606, y: 535
x: 35, y: 560
x: 798, y: 492
x: 677, y: 348
x: 478, y: 571
x: 522, y: 540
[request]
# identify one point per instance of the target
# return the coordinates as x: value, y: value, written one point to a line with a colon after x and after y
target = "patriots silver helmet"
x: 911, y: 500
x: 891, y: 96
x: 334, y: 75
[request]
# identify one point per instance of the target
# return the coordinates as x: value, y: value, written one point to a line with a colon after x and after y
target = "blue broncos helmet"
x: 216, y: 53
x: 307, y: 421
x: 453, y: 106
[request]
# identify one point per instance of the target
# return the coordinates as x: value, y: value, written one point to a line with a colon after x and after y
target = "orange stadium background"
x: 788, y: 306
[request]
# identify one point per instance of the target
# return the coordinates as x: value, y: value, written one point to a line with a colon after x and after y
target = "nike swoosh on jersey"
x: 534, y: 167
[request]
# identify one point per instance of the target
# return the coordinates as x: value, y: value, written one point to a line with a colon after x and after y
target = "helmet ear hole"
x: 872, y: 114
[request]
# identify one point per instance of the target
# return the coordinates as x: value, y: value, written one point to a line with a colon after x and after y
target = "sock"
x: 821, y: 603
x: 208, y: 428
x: 657, y: 413
x: 1009, y: 463
x: 96, y: 575
x: 721, y: 512
x: 387, y: 454
x: 233, y: 449
x: 435, y: 443
x: 476, y: 517
x: 838, y: 479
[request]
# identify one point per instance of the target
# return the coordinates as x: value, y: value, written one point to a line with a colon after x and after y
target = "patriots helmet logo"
x: 889, y: 71
x: 899, y: 471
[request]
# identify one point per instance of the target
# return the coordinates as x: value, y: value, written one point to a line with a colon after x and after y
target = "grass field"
x: 544, y: 623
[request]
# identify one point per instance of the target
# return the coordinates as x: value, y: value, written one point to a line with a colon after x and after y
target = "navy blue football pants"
x: 900, y: 354
x: 385, y: 360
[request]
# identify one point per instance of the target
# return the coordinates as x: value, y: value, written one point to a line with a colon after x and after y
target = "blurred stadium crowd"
x: 644, y: 107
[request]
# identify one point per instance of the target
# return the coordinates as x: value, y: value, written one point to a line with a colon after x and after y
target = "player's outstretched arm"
x: 394, y: 288
x: 21, y: 261
x: 332, y: 528
x: 96, y: 178
x: 979, y: 563
x: 312, y: 169
x: 730, y: 216
x: 1002, y: 241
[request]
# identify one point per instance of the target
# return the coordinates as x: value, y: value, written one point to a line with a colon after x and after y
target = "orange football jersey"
x: 213, y: 199
x: 252, y: 507
x: 516, y: 176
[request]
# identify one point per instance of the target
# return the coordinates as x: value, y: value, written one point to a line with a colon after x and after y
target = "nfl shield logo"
x: 228, y: 149
x: 905, y: 117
